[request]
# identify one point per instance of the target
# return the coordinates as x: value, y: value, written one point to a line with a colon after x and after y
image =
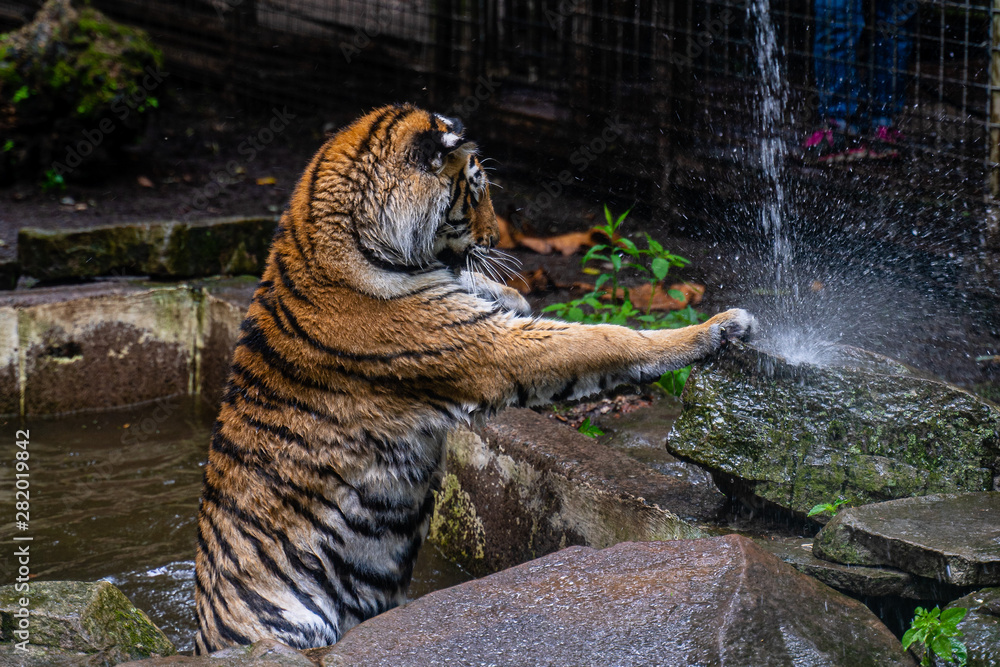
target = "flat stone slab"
x: 856, y: 580
x: 863, y: 427
x: 75, y: 623
x: 691, y: 602
x: 953, y: 538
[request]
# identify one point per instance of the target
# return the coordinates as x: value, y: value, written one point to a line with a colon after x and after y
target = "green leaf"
x: 661, y: 268
x: 953, y: 616
x: 654, y: 246
x: 7, y: 145
x: 575, y: 314
x: 909, y: 637
x: 590, y: 430
x: 621, y: 218
x: 616, y: 261
x: 627, y: 245
x: 941, y: 646
x: 21, y: 93
x: 601, y: 279
x: 677, y: 294
x: 959, y: 652
x: 820, y: 509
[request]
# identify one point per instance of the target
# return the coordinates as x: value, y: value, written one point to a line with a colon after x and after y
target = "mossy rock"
x: 866, y: 428
x: 72, y: 622
x: 74, y: 86
x: 229, y: 246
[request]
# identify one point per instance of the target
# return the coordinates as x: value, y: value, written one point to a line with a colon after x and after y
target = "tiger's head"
x: 424, y: 196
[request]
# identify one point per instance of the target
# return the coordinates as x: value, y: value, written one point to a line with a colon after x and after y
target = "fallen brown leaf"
x: 541, y: 246
x: 145, y: 182
x: 661, y: 298
x: 266, y: 180
x: 509, y: 236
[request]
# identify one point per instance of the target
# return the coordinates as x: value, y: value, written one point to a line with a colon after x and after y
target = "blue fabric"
x: 878, y: 95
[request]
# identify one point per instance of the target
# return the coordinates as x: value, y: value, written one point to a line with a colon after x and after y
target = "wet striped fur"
x: 373, y: 331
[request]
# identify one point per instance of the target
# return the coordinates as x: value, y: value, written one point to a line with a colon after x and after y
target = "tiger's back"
x: 370, y: 336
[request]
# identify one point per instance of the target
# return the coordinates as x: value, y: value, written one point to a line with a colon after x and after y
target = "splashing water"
x: 790, y: 330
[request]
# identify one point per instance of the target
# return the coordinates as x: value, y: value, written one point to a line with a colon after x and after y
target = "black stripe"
x: 254, y: 340
x: 567, y: 390
x: 479, y: 317
x: 365, y: 143
x: 457, y: 192
x: 293, y: 490
x: 380, y: 262
x: 266, y: 304
x: 286, y: 280
x: 243, y: 519
x: 220, y: 541
x: 351, y: 356
x: 270, y: 398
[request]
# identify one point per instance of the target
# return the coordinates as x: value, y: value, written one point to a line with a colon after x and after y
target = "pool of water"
x: 115, y: 496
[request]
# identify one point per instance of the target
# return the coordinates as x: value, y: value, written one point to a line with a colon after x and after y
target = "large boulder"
x: 861, y: 426
x: 951, y: 538
x: 689, y: 602
x: 74, y: 623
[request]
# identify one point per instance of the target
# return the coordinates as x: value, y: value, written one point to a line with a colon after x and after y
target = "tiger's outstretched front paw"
x: 733, y: 324
x: 507, y: 298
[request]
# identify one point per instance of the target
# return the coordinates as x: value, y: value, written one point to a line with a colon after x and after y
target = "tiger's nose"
x: 493, y: 239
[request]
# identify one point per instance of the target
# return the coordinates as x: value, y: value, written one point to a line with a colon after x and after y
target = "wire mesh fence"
x: 644, y: 100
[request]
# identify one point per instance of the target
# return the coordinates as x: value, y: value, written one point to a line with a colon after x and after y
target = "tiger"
x: 377, y: 327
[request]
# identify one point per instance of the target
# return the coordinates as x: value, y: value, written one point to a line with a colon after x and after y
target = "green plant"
x: 611, y: 303
x: 52, y: 180
x: 590, y: 430
x: 937, y: 631
x: 832, y: 508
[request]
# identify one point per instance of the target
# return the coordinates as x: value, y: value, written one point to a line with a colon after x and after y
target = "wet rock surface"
x: 981, y: 627
x: 228, y: 246
x: 642, y: 435
x: 522, y: 486
x: 857, y: 580
x: 692, y: 602
x: 265, y: 653
x: 866, y: 429
x: 76, y: 623
x: 952, y: 538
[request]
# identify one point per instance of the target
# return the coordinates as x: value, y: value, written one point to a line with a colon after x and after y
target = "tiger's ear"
x: 434, y: 148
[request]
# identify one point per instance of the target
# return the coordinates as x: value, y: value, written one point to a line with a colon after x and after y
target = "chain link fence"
x: 649, y: 102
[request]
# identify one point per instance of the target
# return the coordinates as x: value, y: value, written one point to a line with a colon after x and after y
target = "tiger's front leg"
x: 534, y: 362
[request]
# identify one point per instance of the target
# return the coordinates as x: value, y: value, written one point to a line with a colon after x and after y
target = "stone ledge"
x: 230, y: 246
x: 521, y: 486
